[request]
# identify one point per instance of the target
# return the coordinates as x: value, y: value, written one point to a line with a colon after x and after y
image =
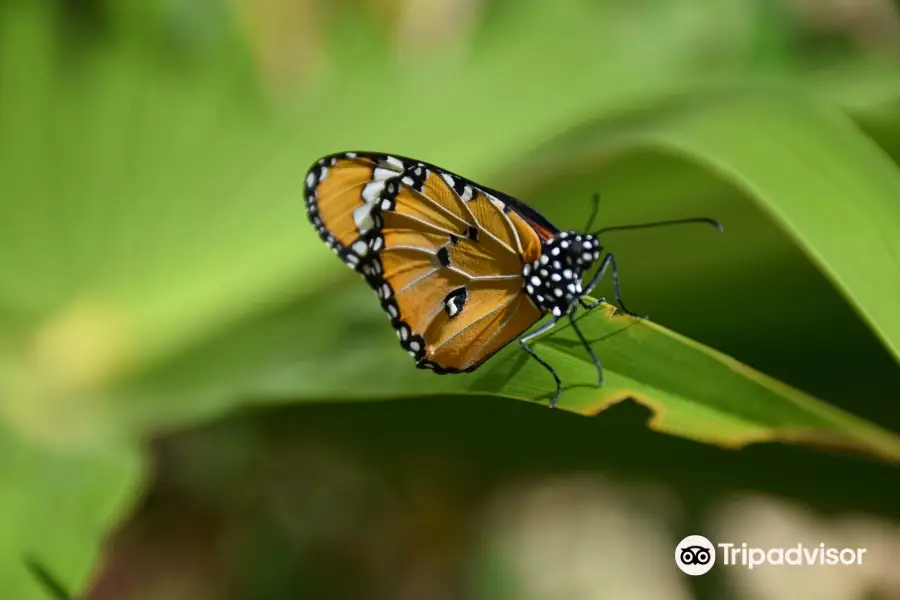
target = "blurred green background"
x: 176, y: 346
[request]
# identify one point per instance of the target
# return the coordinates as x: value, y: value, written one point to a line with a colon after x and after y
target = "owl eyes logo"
x: 695, y: 555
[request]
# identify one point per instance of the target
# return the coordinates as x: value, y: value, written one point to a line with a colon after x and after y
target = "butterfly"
x: 460, y: 269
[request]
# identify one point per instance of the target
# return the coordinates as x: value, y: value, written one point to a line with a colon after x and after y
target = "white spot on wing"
x: 360, y: 247
x: 396, y: 163
x: 496, y: 202
x: 372, y: 190
x: 382, y: 173
x: 448, y: 179
x: 362, y: 216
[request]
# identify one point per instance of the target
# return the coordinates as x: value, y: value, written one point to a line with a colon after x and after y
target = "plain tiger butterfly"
x: 460, y: 269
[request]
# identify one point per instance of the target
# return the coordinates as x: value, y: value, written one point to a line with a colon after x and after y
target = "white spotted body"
x: 553, y: 282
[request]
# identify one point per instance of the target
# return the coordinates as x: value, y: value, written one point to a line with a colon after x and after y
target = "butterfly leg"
x: 524, y: 343
x: 601, y: 270
x: 618, y: 294
x: 585, y: 344
x: 610, y: 260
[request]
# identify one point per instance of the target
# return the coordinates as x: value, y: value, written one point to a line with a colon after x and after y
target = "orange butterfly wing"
x: 444, y: 255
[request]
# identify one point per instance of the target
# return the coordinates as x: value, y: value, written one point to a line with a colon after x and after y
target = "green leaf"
x: 56, y: 509
x: 693, y: 391
x: 834, y: 191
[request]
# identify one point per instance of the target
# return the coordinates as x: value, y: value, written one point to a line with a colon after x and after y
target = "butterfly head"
x: 579, y: 250
x: 553, y: 282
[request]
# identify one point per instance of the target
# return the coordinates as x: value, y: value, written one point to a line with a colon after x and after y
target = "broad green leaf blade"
x: 693, y: 390
x: 57, y: 510
x: 832, y: 188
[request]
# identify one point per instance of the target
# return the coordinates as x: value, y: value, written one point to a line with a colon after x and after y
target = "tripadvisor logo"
x: 696, y: 555
x: 798, y: 555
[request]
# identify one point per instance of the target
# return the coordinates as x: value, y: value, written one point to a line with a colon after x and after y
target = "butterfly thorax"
x: 553, y: 281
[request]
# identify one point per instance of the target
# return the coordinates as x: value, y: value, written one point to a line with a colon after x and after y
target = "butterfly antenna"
x: 706, y: 220
x: 48, y: 581
x: 596, y: 200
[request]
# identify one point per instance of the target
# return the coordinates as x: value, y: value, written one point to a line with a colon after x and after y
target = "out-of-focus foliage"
x: 156, y: 267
